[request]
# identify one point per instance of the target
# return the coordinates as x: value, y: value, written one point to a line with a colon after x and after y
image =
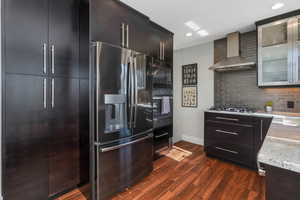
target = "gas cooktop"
x: 234, y: 108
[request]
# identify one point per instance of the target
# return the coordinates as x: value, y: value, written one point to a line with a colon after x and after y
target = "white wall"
x: 189, y: 122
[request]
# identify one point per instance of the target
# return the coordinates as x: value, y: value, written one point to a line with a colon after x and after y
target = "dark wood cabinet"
x: 160, y: 43
x: 127, y: 27
x: 154, y: 48
x: 64, y: 37
x: 236, y: 138
x: 64, y: 137
x: 281, y: 184
x: 26, y: 136
x: 169, y: 49
x: 25, y: 36
x: 137, y: 29
x: 41, y: 37
x: 106, y: 21
x: 41, y: 140
x: 84, y: 138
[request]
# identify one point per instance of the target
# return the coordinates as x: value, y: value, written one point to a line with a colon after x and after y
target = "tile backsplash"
x: 240, y: 87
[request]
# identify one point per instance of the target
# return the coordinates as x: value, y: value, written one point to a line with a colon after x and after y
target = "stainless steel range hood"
x: 233, y: 61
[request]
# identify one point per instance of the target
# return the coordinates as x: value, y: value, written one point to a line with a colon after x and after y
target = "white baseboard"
x: 192, y: 139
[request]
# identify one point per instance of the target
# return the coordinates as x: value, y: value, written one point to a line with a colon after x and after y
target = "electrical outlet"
x: 291, y: 104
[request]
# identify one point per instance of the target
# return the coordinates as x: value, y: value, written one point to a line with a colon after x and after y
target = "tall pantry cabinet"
x: 41, y: 135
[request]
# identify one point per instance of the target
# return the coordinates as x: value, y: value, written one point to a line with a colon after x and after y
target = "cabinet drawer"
x: 232, y: 152
x: 161, y: 138
x: 228, y: 118
x: 229, y: 133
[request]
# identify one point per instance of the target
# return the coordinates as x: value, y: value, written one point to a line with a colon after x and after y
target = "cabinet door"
x: 64, y: 124
x: 25, y: 139
x: 64, y: 38
x: 26, y: 30
x: 84, y: 130
x: 138, y: 35
x: 106, y: 20
x: 275, y: 54
x: 154, y: 41
x: 169, y: 50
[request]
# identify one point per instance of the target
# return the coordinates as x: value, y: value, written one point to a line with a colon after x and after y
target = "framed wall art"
x: 189, y: 96
x: 189, y: 85
x: 189, y: 74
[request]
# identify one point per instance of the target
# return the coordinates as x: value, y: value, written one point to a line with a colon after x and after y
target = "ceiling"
x: 218, y: 17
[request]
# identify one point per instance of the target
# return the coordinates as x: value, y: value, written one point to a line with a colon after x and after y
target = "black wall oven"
x: 162, y: 99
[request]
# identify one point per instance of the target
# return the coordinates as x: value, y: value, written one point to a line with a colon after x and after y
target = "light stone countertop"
x: 281, y: 147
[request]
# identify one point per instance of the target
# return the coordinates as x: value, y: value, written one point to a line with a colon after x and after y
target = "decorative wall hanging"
x: 189, y: 96
x: 189, y: 85
x: 189, y: 74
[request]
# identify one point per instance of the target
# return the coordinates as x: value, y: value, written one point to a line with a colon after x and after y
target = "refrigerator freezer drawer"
x: 123, y: 165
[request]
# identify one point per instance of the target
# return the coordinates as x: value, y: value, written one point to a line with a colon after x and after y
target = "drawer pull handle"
x: 226, y: 118
x: 227, y: 132
x: 222, y: 149
x: 162, y: 135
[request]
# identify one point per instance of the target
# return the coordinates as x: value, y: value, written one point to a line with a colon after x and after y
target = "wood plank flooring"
x: 195, y: 178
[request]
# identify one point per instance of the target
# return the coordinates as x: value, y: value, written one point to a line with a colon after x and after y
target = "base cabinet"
x: 25, y: 139
x: 235, y: 138
x: 64, y: 135
x: 41, y: 141
x: 282, y: 184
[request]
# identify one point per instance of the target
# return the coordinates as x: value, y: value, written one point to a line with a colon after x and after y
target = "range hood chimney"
x: 233, y: 61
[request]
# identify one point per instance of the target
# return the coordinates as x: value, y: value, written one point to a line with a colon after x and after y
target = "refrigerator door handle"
x: 135, y: 90
x: 107, y: 149
x: 98, y: 57
x: 131, y: 75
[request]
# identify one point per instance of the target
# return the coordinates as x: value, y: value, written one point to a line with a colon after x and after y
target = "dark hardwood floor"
x: 195, y: 178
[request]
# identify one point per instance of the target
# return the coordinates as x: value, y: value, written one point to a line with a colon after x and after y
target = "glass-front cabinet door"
x: 274, y: 54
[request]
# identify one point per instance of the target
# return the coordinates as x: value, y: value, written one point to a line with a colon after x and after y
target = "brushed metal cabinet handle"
x: 52, y: 58
x: 45, y: 93
x: 160, y: 50
x: 162, y: 135
x: 227, y: 132
x: 52, y: 93
x: 261, y: 130
x: 226, y: 118
x: 227, y: 150
x: 126, y: 144
x: 123, y: 34
x: 127, y: 36
x: 163, y: 52
x: 45, y: 58
x: 135, y: 90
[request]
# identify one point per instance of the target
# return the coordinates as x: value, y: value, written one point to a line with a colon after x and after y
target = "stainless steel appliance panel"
x: 143, y: 117
x: 122, y: 165
x: 112, y: 104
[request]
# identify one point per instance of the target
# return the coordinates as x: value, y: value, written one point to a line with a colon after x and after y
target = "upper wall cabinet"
x: 41, y: 37
x: 26, y: 49
x: 160, y: 44
x: 278, y: 57
x: 127, y: 28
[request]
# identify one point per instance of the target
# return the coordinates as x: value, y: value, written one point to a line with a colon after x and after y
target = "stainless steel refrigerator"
x: 122, y: 139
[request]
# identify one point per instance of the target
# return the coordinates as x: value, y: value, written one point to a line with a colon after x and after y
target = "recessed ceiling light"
x: 203, y: 33
x: 189, y: 34
x: 192, y: 25
x: 277, y: 6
